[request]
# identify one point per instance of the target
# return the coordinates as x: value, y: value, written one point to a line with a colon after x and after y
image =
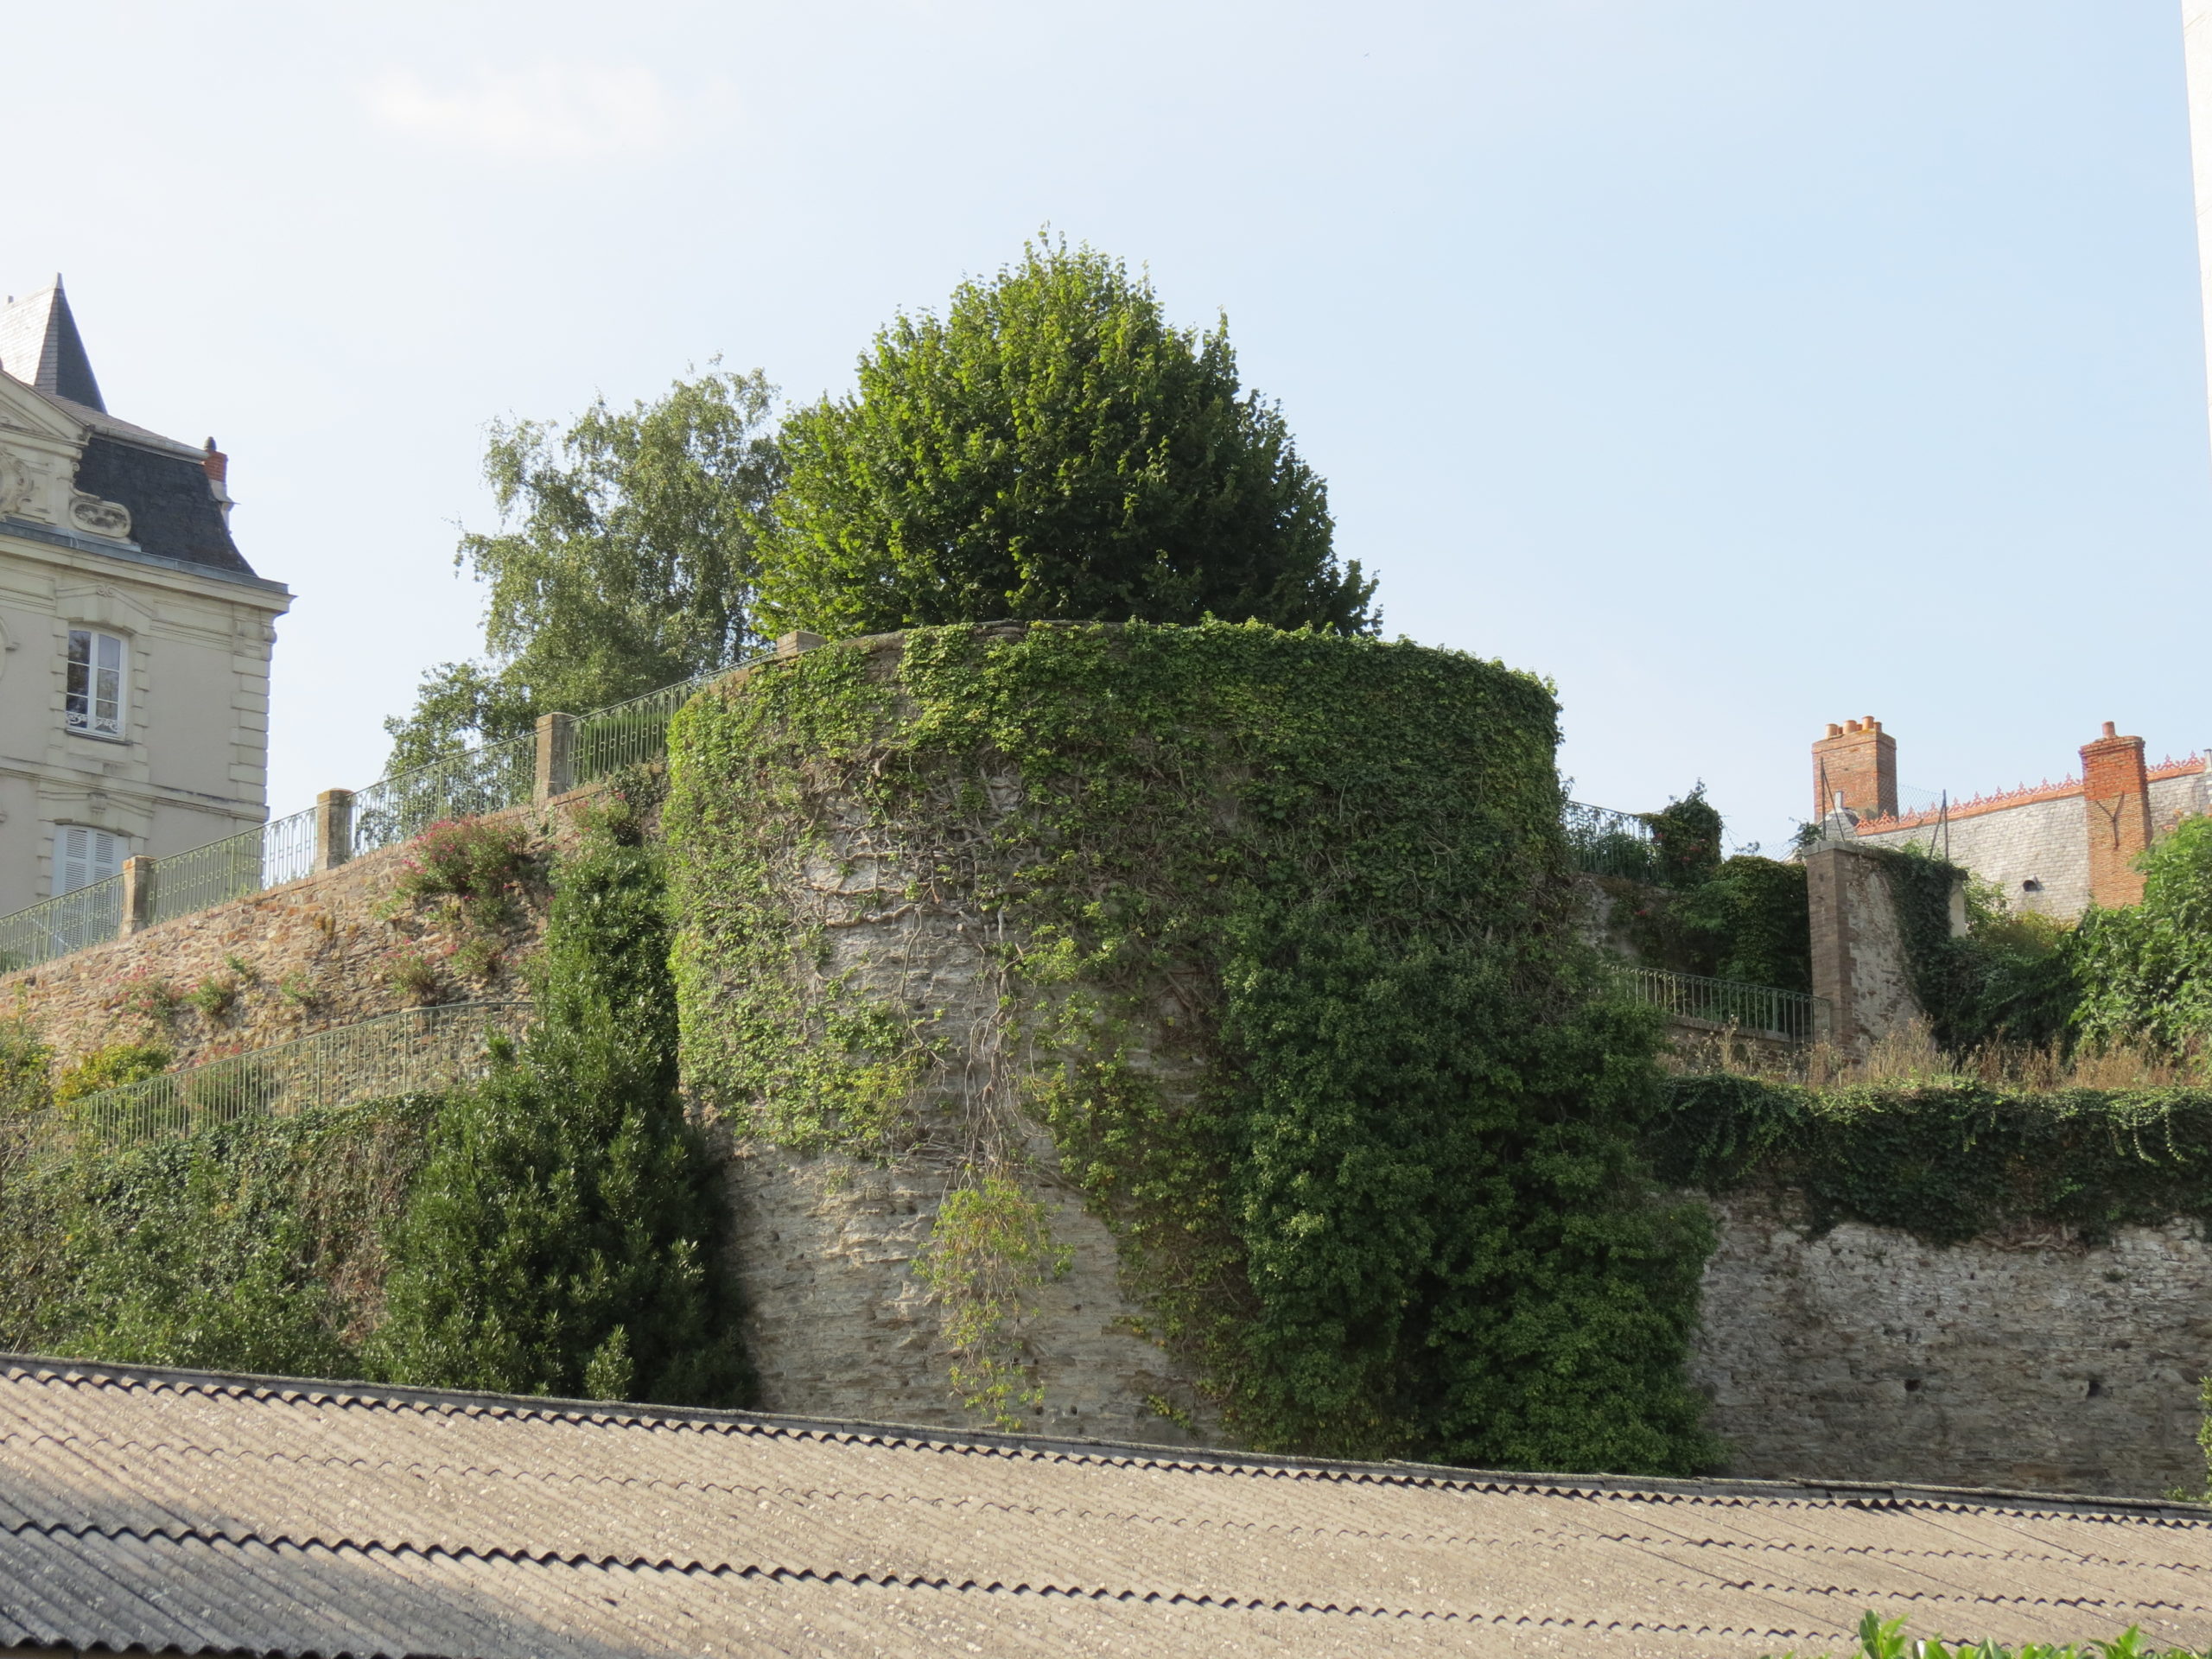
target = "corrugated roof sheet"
x: 187, y: 1512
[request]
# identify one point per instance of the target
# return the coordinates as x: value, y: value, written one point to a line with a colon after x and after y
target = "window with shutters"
x: 99, y: 683
x: 83, y: 856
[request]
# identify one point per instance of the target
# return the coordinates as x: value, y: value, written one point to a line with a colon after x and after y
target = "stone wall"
x: 2030, y: 1360
x: 2044, y: 843
x: 325, y: 951
x: 839, y: 1325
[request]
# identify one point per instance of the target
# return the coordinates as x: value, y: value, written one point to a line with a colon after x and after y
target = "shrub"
x: 485, y: 870
x: 563, y: 1238
x: 109, y: 1068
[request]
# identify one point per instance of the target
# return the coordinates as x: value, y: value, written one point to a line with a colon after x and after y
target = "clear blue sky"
x: 1739, y: 365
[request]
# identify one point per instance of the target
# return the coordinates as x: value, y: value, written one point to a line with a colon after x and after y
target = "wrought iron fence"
x: 70, y: 921
x: 487, y: 779
x: 409, y: 1052
x: 1760, y: 1010
x: 1607, y: 842
x: 635, y: 733
x: 279, y: 851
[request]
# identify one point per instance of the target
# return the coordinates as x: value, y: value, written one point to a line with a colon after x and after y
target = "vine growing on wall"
x: 1288, y: 973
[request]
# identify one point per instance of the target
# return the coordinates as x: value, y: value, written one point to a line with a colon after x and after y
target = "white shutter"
x: 82, y: 857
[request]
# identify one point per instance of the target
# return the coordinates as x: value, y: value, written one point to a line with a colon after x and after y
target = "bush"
x: 484, y: 868
x: 563, y: 1236
x: 109, y: 1068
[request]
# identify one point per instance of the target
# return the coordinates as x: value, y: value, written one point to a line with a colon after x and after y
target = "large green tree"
x: 1051, y: 447
x: 623, y: 560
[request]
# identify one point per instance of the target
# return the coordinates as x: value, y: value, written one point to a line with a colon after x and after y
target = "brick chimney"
x: 2116, y: 796
x: 1855, y: 767
x: 217, y: 465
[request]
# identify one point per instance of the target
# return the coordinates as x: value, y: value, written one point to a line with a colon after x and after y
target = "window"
x: 82, y: 857
x: 92, y: 702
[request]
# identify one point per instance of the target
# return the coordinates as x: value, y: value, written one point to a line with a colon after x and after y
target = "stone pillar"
x: 556, y: 747
x: 334, y: 827
x: 1859, y: 969
x: 1855, y: 767
x: 2116, y: 796
x: 790, y: 645
x: 138, y: 878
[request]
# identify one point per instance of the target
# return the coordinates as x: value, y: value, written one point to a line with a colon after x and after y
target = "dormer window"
x: 99, y: 672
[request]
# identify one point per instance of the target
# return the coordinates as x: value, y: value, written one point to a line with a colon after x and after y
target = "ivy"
x: 1949, y: 1159
x: 555, y: 1228
x: 1277, y: 944
x: 2007, y: 979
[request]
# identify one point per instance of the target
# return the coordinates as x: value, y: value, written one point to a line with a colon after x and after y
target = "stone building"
x: 2052, y: 849
x: 134, y: 637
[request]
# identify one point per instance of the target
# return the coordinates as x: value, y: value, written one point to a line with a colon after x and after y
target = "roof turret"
x: 40, y: 345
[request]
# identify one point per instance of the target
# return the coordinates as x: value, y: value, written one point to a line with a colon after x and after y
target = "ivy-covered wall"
x: 1259, y: 943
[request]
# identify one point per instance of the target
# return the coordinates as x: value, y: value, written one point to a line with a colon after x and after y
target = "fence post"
x: 138, y: 878
x: 556, y: 746
x: 334, y: 827
x: 790, y: 645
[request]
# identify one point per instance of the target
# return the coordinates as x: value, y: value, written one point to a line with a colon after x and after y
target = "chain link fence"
x: 412, y: 1051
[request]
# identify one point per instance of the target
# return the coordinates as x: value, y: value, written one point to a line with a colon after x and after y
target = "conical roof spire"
x: 40, y: 344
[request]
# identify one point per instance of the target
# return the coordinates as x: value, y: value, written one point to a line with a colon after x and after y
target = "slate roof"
x: 175, y: 513
x: 182, y: 1512
x: 40, y: 346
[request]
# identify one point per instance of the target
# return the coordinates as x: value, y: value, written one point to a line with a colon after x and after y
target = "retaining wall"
x: 2025, y: 1360
x: 328, y: 950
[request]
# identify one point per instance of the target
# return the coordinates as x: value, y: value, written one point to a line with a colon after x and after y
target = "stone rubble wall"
x: 839, y: 1325
x: 2027, y: 1361
x: 325, y: 951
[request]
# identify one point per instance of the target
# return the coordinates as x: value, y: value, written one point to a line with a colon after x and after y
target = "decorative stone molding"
x: 15, y: 486
x: 98, y: 517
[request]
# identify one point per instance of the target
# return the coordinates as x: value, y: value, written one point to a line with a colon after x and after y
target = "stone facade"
x: 2027, y: 1361
x: 119, y: 536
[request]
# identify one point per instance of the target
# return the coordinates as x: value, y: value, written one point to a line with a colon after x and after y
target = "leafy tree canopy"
x: 1051, y: 447
x: 625, y: 560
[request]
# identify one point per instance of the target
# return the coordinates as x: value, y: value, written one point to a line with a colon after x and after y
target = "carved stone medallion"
x: 110, y: 519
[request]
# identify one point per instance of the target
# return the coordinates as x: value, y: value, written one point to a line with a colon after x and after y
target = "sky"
x: 1737, y: 366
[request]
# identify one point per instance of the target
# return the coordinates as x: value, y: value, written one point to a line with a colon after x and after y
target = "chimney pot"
x: 1834, y: 730
x: 2111, y: 729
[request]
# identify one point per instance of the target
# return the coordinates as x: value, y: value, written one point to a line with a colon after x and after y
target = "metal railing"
x: 279, y: 851
x: 1604, y: 842
x: 70, y: 921
x: 632, y: 734
x: 488, y: 779
x: 1757, y: 1010
x: 416, y: 1050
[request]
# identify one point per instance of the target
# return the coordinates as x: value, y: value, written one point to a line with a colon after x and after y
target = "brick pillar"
x: 1859, y: 762
x: 334, y: 827
x: 557, y: 746
x: 790, y: 645
x: 138, y: 878
x: 2116, y: 796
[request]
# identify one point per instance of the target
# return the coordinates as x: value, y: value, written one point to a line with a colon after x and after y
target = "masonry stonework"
x: 328, y: 949
x: 1855, y: 768
x: 2031, y: 1360
x: 1859, y: 969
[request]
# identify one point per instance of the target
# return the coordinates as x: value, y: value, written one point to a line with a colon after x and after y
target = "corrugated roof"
x: 195, y: 1513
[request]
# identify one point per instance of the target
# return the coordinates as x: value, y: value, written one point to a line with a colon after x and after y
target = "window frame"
x: 94, y: 867
x: 84, y: 720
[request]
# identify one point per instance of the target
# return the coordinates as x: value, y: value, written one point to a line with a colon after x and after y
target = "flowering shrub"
x: 486, y: 871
